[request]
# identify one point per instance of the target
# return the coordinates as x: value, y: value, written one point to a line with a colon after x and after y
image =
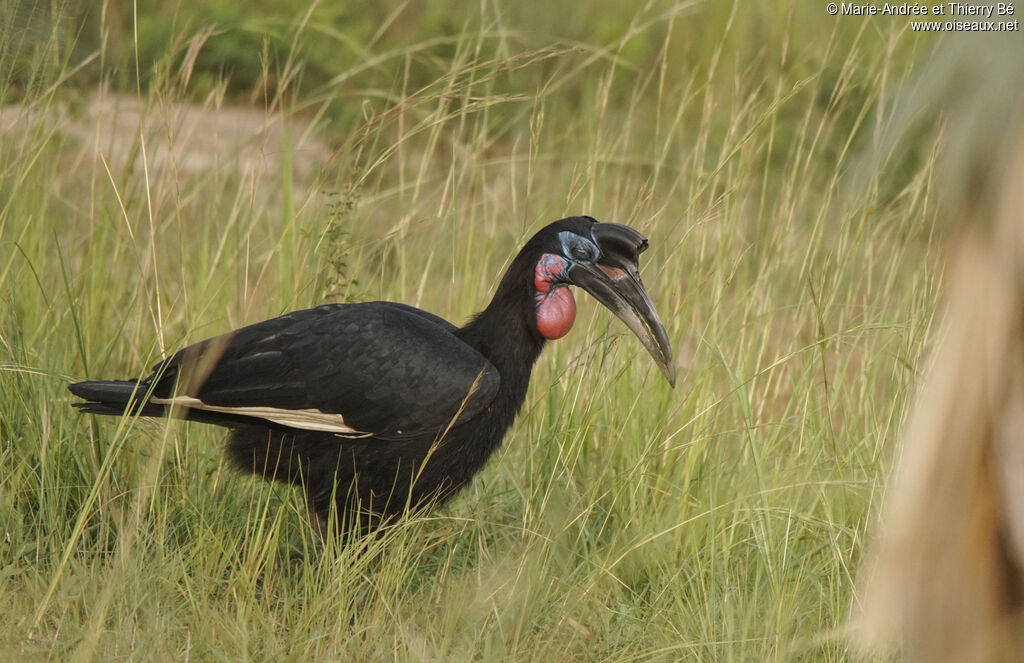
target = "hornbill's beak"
x: 614, y: 280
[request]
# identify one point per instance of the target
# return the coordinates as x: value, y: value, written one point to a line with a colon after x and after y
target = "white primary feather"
x: 306, y: 419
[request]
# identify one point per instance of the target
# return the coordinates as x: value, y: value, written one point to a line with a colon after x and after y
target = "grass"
x: 622, y: 521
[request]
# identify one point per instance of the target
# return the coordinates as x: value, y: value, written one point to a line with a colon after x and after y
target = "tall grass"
x: 622, y: 520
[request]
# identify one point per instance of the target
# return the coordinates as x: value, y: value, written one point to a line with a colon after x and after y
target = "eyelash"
x: 577, y: 248
x: 580, y: 253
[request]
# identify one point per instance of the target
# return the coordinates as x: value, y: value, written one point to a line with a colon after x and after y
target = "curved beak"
x: 621, y: 291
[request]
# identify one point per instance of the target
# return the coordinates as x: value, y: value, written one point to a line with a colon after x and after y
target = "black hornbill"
x: 380, y: 407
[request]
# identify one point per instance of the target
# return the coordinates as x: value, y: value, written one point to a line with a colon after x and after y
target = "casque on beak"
x: 614, y: 280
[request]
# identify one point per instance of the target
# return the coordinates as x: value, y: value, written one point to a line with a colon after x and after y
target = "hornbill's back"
x: 378, y: 407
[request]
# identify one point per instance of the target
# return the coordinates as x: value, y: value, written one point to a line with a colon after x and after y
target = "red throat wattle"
x: 556, y: 308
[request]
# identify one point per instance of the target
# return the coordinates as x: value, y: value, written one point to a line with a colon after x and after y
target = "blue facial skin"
x: 578, y: 249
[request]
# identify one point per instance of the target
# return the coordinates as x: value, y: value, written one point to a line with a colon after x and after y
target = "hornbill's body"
x: 378, y: 407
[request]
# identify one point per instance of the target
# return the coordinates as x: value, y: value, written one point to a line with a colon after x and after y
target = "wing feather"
x: 376, y: 368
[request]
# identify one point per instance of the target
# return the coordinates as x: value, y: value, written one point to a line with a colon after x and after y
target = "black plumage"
x: 380, y: 407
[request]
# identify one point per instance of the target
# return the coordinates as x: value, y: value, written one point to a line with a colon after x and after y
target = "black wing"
x: 377, y: 368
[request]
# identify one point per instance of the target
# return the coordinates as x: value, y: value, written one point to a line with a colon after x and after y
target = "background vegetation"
x: 404, y: 151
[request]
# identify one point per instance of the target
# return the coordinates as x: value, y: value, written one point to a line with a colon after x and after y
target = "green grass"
x: 621, y: 521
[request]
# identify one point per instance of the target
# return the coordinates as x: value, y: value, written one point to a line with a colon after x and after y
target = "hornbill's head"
x: 601, y: 258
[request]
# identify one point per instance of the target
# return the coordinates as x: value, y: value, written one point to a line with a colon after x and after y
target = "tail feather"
x: 105, y: 391
x: 114, y: 397
x: 125, y: 397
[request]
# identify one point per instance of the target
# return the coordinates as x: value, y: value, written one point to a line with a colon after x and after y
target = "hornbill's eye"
x: 578, y: 249
x: 581, y: 253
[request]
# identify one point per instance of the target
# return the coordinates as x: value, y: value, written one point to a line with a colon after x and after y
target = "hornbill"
x: 380, y: 407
